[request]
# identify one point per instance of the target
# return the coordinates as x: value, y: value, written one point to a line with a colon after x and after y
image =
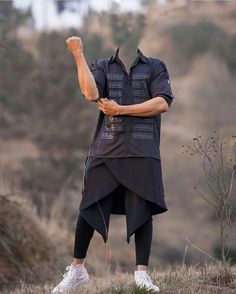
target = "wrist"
x: 122, y: 110
x: 78, y: 54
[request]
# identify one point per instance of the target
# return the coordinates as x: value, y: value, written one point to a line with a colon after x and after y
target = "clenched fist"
x: 75, y: 44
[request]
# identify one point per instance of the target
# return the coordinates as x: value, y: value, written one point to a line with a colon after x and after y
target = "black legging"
x: 143, y: 240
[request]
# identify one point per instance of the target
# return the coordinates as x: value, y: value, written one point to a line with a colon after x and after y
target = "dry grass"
x: 27, y: 251
x: 32, y: 261
x: 175, y: 279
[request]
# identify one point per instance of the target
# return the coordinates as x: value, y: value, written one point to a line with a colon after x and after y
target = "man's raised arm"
x: 86, y: 80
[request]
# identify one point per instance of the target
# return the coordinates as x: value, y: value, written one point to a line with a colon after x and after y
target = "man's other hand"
x: 109, y: 106
x: 74, y: 44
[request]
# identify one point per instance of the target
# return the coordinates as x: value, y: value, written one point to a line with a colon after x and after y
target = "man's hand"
x: 74, y: 44
x: 109, y: 107
x: 86, y: 79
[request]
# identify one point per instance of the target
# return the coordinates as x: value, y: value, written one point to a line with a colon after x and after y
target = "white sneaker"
x: 76, y: 275
x: 143, y: 280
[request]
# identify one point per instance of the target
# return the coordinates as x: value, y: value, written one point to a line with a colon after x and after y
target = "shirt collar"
x: 140, y: 55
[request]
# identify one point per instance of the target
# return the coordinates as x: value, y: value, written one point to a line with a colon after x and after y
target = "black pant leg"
x: 143, y: 241
x: 83, y: 236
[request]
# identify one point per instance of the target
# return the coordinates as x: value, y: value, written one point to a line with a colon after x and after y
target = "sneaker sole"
x: 86, y: 279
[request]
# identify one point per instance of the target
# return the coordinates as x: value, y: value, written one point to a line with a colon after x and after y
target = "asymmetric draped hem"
x: 130, y: 186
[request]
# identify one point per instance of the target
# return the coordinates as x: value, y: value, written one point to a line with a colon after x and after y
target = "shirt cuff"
x: 167, y: 98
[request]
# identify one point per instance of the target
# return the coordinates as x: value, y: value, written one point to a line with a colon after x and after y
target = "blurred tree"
x: 6, y: 10
x: 11, y: 18
x: 16, y: 65
x: 72, y: 5
x: 230, y: 54
x: 148, y: 2
x: 193, y: 39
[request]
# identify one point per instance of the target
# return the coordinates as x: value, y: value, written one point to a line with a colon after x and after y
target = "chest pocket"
x: 140, y: 82
x: 115, y: 83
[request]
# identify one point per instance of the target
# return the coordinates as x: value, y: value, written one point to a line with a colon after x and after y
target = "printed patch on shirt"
x: 139, y: 84
x: 115, y: 93
x: 143, y: 127
x: 116, y: 85
x: 140, y: 76
x: 143, y: 119
x: 139, y: 92
x: 108, y: 135
x: 113, y: 127
x: 113, y: 118
x: 115, y: 76
x: 149, y: 136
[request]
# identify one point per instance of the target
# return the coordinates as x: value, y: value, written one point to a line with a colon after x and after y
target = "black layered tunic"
x: 129, y: 186
x: 123, y: 173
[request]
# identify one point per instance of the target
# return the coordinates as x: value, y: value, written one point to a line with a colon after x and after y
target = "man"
x: 122, y: 172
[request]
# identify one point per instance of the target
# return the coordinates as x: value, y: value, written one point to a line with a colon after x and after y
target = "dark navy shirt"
x: 126, y: 135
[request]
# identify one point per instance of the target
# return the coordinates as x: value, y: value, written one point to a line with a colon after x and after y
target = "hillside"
x: 35, y: 251
x: 46, y: 127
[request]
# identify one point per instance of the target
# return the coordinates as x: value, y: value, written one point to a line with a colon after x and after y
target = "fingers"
x: 102, y: 100
x: 103, y: 110
x: 73, y: 37
x: 71, y: 40
x: 101, y: 103
x: 101, y: 107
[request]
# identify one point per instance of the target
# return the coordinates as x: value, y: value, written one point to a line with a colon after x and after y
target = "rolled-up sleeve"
x: 160, y: 82
x: 99, y: 76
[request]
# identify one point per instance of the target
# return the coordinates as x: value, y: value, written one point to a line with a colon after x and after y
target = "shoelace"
x: 68, y: 269
x: 146, y: 278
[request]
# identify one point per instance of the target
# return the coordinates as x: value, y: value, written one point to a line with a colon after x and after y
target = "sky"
x: 46, y: 16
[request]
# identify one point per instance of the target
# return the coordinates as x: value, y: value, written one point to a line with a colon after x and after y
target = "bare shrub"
x: 218, y: 155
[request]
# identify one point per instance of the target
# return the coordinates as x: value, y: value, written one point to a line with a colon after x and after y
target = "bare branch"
x: 202, y: 250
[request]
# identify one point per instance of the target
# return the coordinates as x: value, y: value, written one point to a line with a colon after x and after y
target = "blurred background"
x: 46, y: 126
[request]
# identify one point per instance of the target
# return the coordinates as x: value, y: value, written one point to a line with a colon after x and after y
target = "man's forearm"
x: 151, y: 107
x: 86, y: 80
